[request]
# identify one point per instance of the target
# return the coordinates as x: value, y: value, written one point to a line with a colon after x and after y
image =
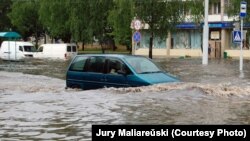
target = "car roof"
x: 110, y: 55
x: 18, y: 43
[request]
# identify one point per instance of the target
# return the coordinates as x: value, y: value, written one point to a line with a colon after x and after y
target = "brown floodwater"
x: 35, y: 106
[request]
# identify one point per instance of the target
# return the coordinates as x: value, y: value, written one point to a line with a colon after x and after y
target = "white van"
x: 56, y: 51
x: 16, y: 50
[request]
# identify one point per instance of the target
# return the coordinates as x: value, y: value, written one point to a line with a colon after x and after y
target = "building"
x: 187, y: 40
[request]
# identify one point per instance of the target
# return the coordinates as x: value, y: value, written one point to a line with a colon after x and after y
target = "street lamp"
x: 205, y: 35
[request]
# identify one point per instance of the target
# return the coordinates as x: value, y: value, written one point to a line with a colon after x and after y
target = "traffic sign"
x: 137, y: 24
x: 236, y: 36
x: 243, y: 9
x: 137, y: 36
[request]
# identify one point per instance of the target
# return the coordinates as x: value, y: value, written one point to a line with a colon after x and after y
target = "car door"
x: 39, y: 53
x: 116, y: 75
x: 93, y: 76
x: 75, y: 77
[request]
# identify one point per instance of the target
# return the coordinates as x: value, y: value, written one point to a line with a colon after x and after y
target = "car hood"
x: 154, y: 78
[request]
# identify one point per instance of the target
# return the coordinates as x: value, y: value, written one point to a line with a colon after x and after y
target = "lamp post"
x: 205, y: 35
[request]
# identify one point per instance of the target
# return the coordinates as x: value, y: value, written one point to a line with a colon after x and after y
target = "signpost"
x: 243, y: 13
x: 137, y: 25
x: 137, y: 36
x: 237, y: 36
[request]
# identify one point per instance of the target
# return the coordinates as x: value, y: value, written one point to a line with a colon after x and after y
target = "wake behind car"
x: 110, y: 70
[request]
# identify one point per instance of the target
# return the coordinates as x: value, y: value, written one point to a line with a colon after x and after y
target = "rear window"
x: 73, y: 48
x: 78, y: 64
x: 68, y: 48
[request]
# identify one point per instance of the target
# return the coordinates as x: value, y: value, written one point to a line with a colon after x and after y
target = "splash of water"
x: 223, y: 89
x: 34, y: 83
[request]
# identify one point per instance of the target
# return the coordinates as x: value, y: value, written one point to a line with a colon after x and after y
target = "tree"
x: 233, y: 8
x: 54, y: 15
x: 161, y: 16
x: 98, y: 22
x: 120, y: 18
x: 24, y: 16
x: 5, y: 24
x: 79, y: 19
x: 195, y: 9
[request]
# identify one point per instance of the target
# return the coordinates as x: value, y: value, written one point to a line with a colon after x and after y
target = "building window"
x: 218, y: 8
x: 215, y: 8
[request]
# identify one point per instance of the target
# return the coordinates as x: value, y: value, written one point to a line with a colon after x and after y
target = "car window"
x: 20, y: 48
x: 68, y: 48
x: 73, y: 48
x: 29, y: 48
x: 95, y: 64
x: 115, y: 65
x: 40, y: 49
x: 142, y: 65
x: 78, y: 64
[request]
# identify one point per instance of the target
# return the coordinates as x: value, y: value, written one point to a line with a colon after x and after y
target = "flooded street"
x: 35, y: 106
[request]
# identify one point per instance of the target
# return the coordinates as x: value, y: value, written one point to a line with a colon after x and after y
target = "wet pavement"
x: 35, y: 106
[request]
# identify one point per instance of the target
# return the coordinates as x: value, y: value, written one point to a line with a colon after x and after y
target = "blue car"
x: 112, y: 70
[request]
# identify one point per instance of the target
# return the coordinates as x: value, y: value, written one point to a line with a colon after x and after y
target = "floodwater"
x: 35, y: 106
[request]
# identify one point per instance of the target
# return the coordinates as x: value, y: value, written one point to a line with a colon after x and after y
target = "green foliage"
x: 79, y: 18
x: 161, y: 16
x: 196, y: 9
x: 99, y: 13
x: 120, y: 18
x: 54, y: 15
x: 24, y: 16
x: 4, y: 20
x: 233, y: 8
x: 76, y: 20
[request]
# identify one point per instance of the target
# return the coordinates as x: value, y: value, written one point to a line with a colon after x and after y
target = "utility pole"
x: 241, y: 45
x: 205, y: 35
x: 243, y: 13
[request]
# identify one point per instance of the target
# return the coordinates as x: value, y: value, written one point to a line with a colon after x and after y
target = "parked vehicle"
x: 16, y: 50
x: 56, y: 51
x: 98, y: 71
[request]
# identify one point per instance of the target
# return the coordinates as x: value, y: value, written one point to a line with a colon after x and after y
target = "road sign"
x: 243, y: 9
x: 137, y: 24
x: 137, y: 36
x: 236, y: 36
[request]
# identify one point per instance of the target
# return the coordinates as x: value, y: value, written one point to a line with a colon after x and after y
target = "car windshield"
x: 29, y: 48
x: 142, y: 65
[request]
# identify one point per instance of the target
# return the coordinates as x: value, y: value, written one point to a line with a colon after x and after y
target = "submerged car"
x: 112, y: 70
